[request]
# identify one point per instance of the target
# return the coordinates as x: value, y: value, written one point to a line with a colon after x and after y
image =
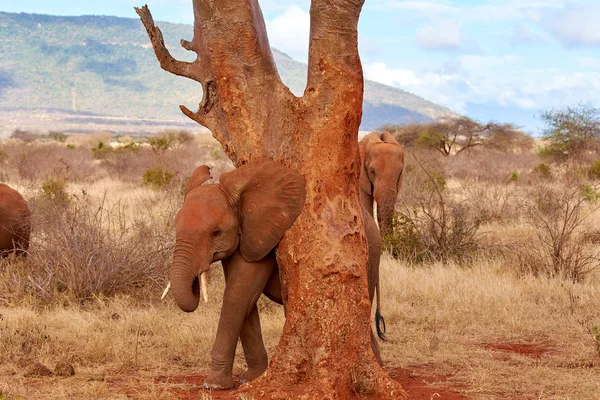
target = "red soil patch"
x: 530, y: 350
x: 421, y: 383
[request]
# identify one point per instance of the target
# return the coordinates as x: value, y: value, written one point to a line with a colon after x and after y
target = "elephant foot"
x: 252, y: 373
x: 218, y: 381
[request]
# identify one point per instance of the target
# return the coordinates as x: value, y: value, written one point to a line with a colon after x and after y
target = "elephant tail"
x: 379, y: 320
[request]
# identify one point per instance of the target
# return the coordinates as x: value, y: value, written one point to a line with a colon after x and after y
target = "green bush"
x: 515, y: 176
x: 101, y: 151
x: 403, y: 240
x: 594, y: 170
x: 589, y: 193
x: 543, y: 171
x: 157, y: 178
x: 57, y: 136
x: 162, y: 143
x: 131, y: 146
x: 55, y: 190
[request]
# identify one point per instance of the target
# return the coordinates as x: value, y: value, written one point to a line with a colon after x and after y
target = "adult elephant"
x: 15, y: 222
x: 382, y: 159
x: 240, y: 221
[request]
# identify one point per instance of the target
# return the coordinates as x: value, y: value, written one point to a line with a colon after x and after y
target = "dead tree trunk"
x: 325, y: 350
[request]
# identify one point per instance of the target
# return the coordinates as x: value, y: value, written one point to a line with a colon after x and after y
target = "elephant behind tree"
x: 15, y: 222
x: 382, y: 159
x: 240, y: 221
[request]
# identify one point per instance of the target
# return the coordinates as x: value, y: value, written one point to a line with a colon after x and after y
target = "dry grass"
x: 442, y: 315
x: 438, y: 315
x: 123, y: 341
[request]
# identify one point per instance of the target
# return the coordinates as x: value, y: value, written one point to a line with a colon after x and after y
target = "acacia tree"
x: 452, y: 135
x: 571, y: 131
x: 324, y: 351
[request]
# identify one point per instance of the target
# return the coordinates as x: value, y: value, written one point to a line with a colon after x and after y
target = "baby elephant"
x: 15, y: 222
x: 240, y: 221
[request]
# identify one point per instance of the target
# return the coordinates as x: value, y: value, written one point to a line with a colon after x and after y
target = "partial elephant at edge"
x: 15, y: 222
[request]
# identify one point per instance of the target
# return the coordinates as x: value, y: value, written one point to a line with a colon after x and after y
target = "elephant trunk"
x: 185, y: 282
x: 385, y: 212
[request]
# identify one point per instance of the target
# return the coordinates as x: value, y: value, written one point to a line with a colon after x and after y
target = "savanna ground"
x: 490, y: 286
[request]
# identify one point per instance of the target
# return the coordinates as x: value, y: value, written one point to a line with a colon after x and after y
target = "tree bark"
x: 324, y: 351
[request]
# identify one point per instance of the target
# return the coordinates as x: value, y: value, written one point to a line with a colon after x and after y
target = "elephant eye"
x: 216, y: 233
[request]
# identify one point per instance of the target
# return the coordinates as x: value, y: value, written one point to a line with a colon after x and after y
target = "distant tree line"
x: 571, y: 133
x: 451, y: 136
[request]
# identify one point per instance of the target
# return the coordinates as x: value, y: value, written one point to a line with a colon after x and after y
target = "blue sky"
x: 500, y: 60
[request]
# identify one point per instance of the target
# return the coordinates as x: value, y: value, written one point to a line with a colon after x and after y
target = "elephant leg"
x: 254, y: 347
x: 244, y: 284
x: 273, y: 288
x: 374, y: 242
x: 251, y: 336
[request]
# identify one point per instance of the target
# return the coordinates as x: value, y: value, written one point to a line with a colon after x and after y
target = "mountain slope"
x: 105, y: 66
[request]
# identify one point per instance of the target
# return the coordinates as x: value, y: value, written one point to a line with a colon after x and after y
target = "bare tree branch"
x: 167, y: 62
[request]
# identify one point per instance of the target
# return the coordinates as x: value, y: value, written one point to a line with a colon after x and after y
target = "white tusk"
x: 375, y: 213
x: 204, y: 286
x: 166, y: 291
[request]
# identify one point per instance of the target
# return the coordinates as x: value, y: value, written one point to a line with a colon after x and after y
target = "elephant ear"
x: 270, y: 196
x: 200, y: 175
x: 388, y: 138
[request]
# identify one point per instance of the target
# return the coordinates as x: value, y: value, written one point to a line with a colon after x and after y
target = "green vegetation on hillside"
x: 106, y: 66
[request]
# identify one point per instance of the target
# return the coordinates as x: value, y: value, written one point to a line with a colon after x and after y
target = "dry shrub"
x: 484, y: 165
x: 414, y: 178
x: 493, y: 202
x: 437, y: 224
x: 559, y: 244
x: 88, y: 247
x: 45, y: 160
x: 179, y: 155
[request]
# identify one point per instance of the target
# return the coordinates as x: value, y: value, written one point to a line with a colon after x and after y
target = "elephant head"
x: 382, y: 159
x: 249, y: 209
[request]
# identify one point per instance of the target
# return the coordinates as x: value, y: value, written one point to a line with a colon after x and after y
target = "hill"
x: 104, y: 66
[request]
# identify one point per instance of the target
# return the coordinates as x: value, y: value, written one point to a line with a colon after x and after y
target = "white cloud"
x: 574, y: 25
x: 440, y: 35
x: 483, y: 80
x: 379, y: 72
x: 289, y: 32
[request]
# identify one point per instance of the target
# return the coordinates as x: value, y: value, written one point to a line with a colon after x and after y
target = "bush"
x: 571, y: 132
x: 594, y: 170
x: 55, y: 190
x: 157, y: 178
x: 558, y: 217
x: 162, y: 143
x: 101, y: 151
x: 24, y: 136
x: 542, y: 171
x: 589, y: 193
x: 90, y: 248
x: 57, y: 136
x: 436, y: 226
